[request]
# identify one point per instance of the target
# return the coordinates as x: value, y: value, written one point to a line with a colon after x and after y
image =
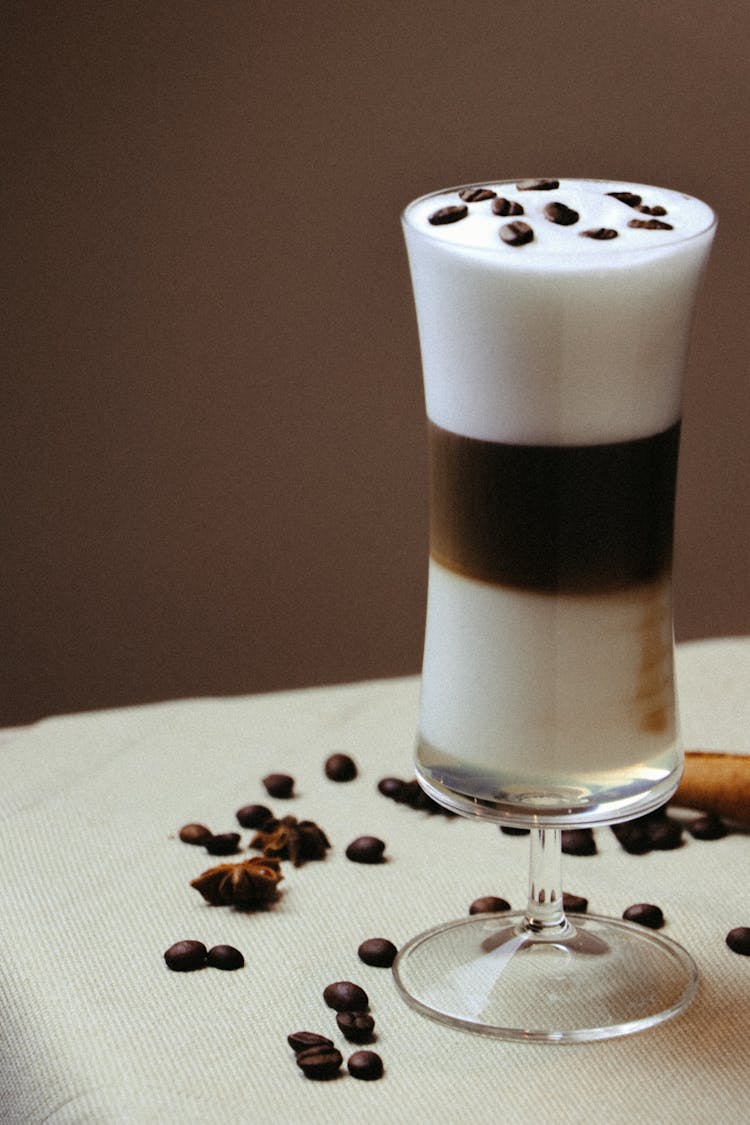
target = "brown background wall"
x: 213, y: 462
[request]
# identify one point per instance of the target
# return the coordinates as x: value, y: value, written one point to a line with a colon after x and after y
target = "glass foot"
x: 594, y: 978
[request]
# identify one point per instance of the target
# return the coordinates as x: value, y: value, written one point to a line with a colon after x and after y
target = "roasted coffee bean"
x: 303, y: 1040
x: 195, y: 834
x: 366, y: 849
x: 633, y: 836
x: 629, y: 198
x: 340, y: 767
x: 738, y: 940
x: 561, y: 214
x: 601, y: 234
x: 279, y: 785
x: 254, y: 816
x: 391, y: 787
x: 345, y: 996
x: 538, y: 185
x: 578, y: 841
x: 516, y: 234
x: 510, y: 830
x: 185, y: 956
x: 650, y: 224
x: 657, y: 210
x: 576, y: 904
x: 646, y: 914
x: 476, y: 194
x: 708, y: 827
x: 377, y: 951
x: 665, y: 834
x: 320, y: 1062
x: 357, y: 1027
x: 502, y: 206
x: 450, y: 214
x: 225, y: 843
x: 489, y: 904
x: 366, y: 1065
x: 225, y: 957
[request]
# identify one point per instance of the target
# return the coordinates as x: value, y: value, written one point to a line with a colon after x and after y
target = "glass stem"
x: 544, y: 912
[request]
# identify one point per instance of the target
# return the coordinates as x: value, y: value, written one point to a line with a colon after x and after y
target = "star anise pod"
x: 289, y: 838
x: 247, y: 885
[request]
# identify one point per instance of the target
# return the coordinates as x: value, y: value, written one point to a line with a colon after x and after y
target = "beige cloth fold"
x: 95, y: 886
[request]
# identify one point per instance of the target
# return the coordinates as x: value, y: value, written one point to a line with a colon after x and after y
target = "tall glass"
x: 554, y: 321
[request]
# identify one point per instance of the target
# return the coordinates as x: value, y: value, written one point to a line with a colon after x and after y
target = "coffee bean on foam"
x: 561, y: 214
x: 503, y: 206
x: 538, y: 185
x: 649, y: 224
x: 449, y: 214
x: 601, y: 234
x: 629, y: 198
x: 476, y: 194
x: 517, y: 234
x: 345, y: 996
x: 379, y: 952
x: 645, y: 914
x: 738, y: 940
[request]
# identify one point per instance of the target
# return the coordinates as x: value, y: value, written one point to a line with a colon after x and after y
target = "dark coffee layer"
x: 566, y: 519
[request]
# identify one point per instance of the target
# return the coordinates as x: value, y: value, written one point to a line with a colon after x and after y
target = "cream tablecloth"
x: 95, y: 886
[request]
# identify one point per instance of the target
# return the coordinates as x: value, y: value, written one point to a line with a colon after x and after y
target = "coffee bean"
x: 509, y: 830
x: 502, y: 206
x: 320, y: 1062
x: 391, y: 787
x: 185, y: 956
x: 377, y: 951
x: 650, y: 224
x: 633, y: 836
x: 538, y: 185
x: 516, y: 234
x: 344, y: 996
x: 489, y: 904
x: 578, y: 841
x: 629, y: 198
x: 195, y: 834
x: 366, y: 1065
x: 303, y: 1040
x: 366, y: 849
x: 646, y: 914
x: 476, y: 194
x: 340, y: 767
x: 561, y: 214
x: 450, y: 214
x: 279, y: 785
x: 225, y: 843
x: 709, y: 827
x: 657, y: 210
x: 357, y: 1027
x: 665, y: 834
x: 225, y: 957
x: 601, y: 234
x: 738, y: 940
x: 576, y: 904
x: 254, y: 816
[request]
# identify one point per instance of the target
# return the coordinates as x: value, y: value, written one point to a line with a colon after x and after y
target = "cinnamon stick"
x: 716, y: 782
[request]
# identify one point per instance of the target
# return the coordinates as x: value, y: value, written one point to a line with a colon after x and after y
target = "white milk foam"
x: 564, y: 340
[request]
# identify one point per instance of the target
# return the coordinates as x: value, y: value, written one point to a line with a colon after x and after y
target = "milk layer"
x: 567, y: 339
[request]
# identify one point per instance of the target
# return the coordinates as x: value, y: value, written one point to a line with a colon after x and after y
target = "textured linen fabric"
x: 95, y: 886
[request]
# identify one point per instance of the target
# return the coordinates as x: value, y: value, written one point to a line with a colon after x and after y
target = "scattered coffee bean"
x: 578, y: 841
x: 708, y: 827
x: 303, y: 1040
x: 650, y: 224
x: 450, y: 214
x: 561, y: 214
x: 538, y: 185
x: 476, y: 194
x: 738, y: 940
x: 279, y: 785
x: 510, y: 830
x: 516, y: 234
x: 366, y: 849
x: 344, y: 996
x: 601, y: 234
x: 412, y: 794
x: 377, y: 951
x: 665, y: 834
x: 225, y: 843
x: 186, y: 956
x: 254, y: 816
x: 489, y: 904
x: 391, y: 787
x: 340, y: 767
x: 320, y: 1062
x: 657, y: 210
x: 225, y: 957
x: 502, y: 206
x: 629, y: 198
x: 646, y: 914
x: 366, y: 1065
x: 357, y: 1027
x: 576, y: 904
x: 195, y: 834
